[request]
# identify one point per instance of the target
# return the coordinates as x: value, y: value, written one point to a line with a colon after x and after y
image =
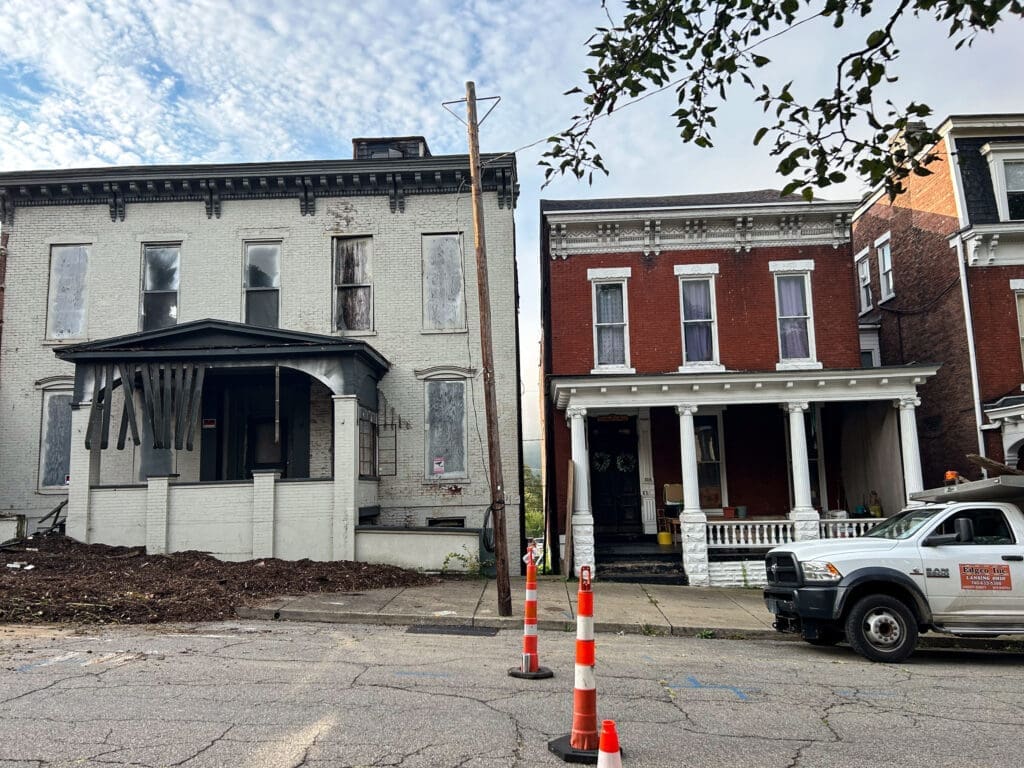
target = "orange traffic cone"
x: 531, y: 668
x: 580, y: 746
x: 608, y: 753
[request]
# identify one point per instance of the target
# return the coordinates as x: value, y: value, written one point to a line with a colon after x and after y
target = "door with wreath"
x: 614, y: 476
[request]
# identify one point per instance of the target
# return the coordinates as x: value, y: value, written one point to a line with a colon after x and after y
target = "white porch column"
x: 804, y: 515
x: 693, y: 523
x: 346, y: 477
x: 909, y: 447
x: 645, y: 463
x: 582, y: 518
x: 264, y: 498
x: 158, y: 488
x: 84, y: 471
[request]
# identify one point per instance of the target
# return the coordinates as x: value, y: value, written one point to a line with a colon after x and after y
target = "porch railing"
x: 846, y: 529
x: 749, y: 534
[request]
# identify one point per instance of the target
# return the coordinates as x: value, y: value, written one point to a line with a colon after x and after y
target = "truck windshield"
x: 903, y: 525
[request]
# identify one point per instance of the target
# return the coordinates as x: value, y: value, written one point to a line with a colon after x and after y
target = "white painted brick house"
x: 299, y: 342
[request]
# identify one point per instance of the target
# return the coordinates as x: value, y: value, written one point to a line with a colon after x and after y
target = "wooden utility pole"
x: 487, y: 353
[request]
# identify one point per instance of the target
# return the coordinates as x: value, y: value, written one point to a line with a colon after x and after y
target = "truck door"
x: 977, y: 584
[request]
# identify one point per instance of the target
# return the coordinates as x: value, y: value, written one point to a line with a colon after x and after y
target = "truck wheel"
x: 881, y: 628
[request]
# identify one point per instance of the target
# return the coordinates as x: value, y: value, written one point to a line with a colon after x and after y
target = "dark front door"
x: 614, y: 477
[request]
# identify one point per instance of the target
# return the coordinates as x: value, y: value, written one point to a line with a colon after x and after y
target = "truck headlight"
x: 820, y: 570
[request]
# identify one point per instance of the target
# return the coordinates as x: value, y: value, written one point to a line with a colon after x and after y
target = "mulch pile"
x: 99, y: 584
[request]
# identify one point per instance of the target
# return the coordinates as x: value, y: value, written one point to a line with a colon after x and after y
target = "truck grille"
x: 782, y: 569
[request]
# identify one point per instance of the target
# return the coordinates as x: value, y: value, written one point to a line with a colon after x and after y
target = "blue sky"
x: 107, y: 82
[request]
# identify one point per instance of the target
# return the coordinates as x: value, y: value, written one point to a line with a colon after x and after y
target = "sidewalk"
x: 632, y: 608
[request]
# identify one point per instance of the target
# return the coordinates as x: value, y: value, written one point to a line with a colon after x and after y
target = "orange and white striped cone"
x: 581, y: 745
x: 608, y: 753
x: 531, y: 668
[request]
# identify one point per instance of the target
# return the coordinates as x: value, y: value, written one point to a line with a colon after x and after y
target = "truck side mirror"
x: 964, y: 528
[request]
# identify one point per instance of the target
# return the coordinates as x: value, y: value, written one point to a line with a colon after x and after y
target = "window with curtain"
x: 885, y: 270
x: 697, y: 301
x: 262, y: 284
x: 794, y: 317
x: 65, y: 316
x: 160, y: 274
x: 446, y: 429
x: 610, y: 325
x: 444, y: 305
x: 353, y: 283
x: 55, y: 440
x: 864, y: 283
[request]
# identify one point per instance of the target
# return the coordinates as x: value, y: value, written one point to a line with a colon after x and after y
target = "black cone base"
x: 570, y: 754
x: 542, y: 673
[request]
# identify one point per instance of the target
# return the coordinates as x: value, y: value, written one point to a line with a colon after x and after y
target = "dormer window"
x: 1006, y: 166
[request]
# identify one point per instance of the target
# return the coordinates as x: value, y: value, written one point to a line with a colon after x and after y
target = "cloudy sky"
x: 108, y: 82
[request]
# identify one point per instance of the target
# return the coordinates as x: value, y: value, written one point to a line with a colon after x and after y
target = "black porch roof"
x: 219, y: 340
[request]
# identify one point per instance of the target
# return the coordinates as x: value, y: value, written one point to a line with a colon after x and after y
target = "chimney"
x: 390, y: 148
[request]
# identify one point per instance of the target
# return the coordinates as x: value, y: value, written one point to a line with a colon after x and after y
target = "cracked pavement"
x: 288, y: 695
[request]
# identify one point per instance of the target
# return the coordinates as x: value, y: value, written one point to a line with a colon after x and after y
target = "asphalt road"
x: 258, y: 694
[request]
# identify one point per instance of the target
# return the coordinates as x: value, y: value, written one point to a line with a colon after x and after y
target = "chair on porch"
x: 668, y: 515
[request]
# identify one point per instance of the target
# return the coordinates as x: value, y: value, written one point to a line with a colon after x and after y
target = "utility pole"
x: 487, y: 353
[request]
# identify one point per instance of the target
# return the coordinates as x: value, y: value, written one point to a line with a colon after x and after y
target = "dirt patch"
x: 97, y: 584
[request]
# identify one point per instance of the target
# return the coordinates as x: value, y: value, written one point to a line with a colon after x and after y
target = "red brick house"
x: 712, y: 341
x: 940, y: 277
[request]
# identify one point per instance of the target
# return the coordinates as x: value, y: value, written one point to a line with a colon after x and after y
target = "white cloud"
x: 94, y: 82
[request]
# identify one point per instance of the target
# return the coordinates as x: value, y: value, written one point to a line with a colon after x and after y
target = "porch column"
x: 346, y: 477
x: 693, y: 523
x: 84, y: 471
x: 688, y: 451
x: 158, y: 488
x: 582, y: 518
x: 645, y: 462
x: 909, y: 447
x: 803, y: 514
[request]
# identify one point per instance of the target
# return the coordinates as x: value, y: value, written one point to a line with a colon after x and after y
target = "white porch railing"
x: 846, y: 529
x: 749, y: 534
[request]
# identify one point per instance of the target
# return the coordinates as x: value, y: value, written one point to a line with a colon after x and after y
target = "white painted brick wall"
x: 211, y: 279
x: 740, y: 573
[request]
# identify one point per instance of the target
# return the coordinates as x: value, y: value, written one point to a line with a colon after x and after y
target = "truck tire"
x: 881, y: 628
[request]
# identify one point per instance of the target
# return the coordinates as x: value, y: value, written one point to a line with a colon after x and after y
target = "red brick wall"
x: 755, y: 457
x: 924, y: 322
x: 996, y: 339
x: 745, y: 296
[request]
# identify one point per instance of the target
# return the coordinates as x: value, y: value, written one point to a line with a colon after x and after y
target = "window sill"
x: 442, y: 331
x: 54, y: 491
x: 865, y: 311
x: 701, y: 368
x: 884, y: 299
x: 798, y: 365
x: 62, y: 342
x: 346, y: 334
x: 612, y: 369
x: 435, y: 481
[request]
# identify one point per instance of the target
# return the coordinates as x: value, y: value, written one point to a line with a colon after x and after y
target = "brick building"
x: 275, y: 359
x: 712, y: 341
x: 940, y: 277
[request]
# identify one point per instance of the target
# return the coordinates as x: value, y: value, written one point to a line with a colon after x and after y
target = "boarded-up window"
x: 353, y: 283
x: 160, y: 267
x: 367, y: 443
x: 55, y: 440
x: 446, y: 429
x: 262, y: 283
x: 443, y: 296
x: 69, y: 265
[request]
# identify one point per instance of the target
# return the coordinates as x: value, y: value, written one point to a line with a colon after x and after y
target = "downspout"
x: 969, y: 323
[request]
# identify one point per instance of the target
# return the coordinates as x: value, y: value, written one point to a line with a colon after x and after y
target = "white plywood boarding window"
x: 444, y: 301
x: 446, y: 444
x: 65, y: 316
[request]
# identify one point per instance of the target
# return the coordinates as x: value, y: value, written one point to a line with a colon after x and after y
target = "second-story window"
x: 1014, y: 171
x: 160, y: 268
x: 864, y: 281
x: 262, y: 283
x: 699, y: 315
x: 794, y: 313
x: 65, y: 315
x: 353, y: 283
x: 884, y: 250
x: 444, y: 304
x: 611, y: 318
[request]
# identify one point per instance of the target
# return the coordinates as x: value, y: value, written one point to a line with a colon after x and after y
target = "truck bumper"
x: 803, y: 609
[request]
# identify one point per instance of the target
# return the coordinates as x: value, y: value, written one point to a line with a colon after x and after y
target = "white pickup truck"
x: 953, y: 562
